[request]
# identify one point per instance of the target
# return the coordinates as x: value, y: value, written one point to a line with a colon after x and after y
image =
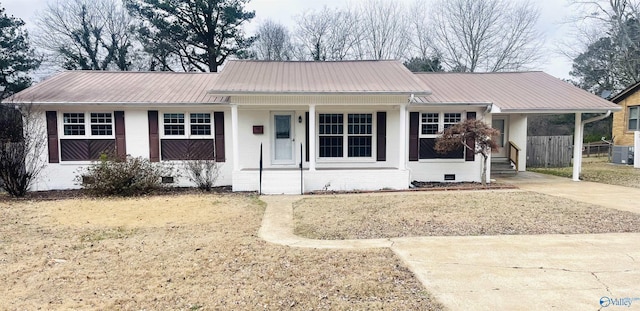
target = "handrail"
x: 514, y: 159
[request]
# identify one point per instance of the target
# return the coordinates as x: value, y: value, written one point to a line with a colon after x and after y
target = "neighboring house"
x: 627, y: 120
x: 354, y: 125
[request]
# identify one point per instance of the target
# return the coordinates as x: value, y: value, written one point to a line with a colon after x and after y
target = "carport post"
x: 577, y: 147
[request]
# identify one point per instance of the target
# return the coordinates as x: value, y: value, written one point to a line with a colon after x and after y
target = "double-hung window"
x: 432, y: 124
x: 75, y: 124
x: 86, y: 136
x: 332, y: 138
x: 634, y: 118
x: 187, y: 136
x: 196, y: 125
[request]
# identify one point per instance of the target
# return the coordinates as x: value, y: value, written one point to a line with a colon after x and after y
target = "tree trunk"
x: 484, y: 169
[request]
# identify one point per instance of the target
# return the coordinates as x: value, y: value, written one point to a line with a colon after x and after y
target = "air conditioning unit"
x: 623, y: 155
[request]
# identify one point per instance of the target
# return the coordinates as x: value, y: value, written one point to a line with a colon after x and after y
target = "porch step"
x: 502, y: 167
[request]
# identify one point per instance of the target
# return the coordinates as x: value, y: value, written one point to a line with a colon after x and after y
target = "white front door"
x: 500, y: 124
x: 283, y: 138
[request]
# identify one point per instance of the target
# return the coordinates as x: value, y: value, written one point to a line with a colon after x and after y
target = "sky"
x: 552, y: 24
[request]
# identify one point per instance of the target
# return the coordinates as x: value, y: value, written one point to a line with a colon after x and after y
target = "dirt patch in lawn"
x: 187, y: 252
x: 453, y: 213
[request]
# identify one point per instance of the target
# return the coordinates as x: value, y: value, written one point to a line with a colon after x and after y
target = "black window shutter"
x: 414, y: 128
x: 470, y: 153
x: 381, y: 138
x: 218, y: 120
x: 52, y: 136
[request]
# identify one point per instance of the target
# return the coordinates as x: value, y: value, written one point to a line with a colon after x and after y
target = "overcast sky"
x: 553, y: 15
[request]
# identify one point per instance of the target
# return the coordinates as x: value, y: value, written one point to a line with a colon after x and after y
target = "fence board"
x: 549, y: 151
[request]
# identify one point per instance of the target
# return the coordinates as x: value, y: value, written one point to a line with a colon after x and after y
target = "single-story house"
x: 627, y: 120
x: 352, y: 125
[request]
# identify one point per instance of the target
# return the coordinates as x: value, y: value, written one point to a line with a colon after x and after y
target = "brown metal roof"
x: 100, y: 87
x: 340, y: 77
x: 511, y: 92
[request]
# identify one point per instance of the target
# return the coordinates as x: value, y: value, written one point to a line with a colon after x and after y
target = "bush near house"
x: 122, y: 177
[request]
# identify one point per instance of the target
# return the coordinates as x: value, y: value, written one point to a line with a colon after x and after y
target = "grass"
x: 599, y: 170
x: 453, y: 214
x: 187, y: 252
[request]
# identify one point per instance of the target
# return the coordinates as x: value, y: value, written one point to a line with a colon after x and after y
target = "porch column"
x: 577, y: 147
x: 402, y: 143
x: 234, y: 138
x: 312, y: 137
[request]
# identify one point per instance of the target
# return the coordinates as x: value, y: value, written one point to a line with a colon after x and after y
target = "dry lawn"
x: 453, y: 213
x: 599, y: 170
x: 190, y: 252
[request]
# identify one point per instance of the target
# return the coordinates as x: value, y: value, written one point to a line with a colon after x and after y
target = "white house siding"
x: 340, y: 174
x: 56, y: 176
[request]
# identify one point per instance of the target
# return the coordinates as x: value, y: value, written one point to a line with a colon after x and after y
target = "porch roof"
x: 530, y: 92
x: 102, y: 87
x: 336, y: 77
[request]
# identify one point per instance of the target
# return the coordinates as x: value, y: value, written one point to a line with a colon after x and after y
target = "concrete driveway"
x: 525, y: 272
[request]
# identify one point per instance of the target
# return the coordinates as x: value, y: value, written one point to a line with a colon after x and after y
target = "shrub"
x: 203, y: 173
x: 122, y: 177
x: 22, y: 141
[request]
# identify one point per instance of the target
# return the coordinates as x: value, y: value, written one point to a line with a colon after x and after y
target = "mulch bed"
x: 52, y: 195
x: 427, y: 186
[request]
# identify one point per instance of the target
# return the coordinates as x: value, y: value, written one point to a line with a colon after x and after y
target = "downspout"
x: 577, y: 151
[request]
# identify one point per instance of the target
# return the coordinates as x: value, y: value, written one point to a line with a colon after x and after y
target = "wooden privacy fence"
x: 549, y: 151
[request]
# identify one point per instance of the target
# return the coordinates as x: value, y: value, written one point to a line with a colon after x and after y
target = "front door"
x: 283, y: 138
x: 500, y: 124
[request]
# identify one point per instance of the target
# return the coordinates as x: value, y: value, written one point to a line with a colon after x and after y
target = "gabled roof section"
x: 339, y: 77
x: 626, y: 93
x: 101, y: 87
x: 532, y: 92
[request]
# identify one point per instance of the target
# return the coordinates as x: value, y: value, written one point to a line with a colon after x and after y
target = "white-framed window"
x: 634, y: 118
x: 433, y: 123
x: 187, y: 125
x: 87, y: 124
x: 332, y: 139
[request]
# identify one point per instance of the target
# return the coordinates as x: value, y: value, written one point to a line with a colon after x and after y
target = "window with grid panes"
x: 101, y: 124
x: 450, y: 119
x: 360, y: 134
x: 330, y: 131
x: 174, y: 124
x: 73, y: 123
x: 200, y: 124
x: 430, y: 123
x: 634, y: 118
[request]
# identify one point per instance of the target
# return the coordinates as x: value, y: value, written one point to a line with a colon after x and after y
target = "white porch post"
x: 402, y: 144
x: 577, y: 148
x: 312, y: 137
x: 636, y: 149
x: 234, y: 138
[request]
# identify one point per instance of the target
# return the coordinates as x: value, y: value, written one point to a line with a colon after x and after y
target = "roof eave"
x: 576, y: 110
x: 138, y: 104
x: 361, y: 93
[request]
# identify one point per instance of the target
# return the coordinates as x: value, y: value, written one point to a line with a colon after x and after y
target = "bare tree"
x: 273, y: 42
x: 328, y: 34
x: 617, y: 23
x: 421, y: 30
x: 87, y: 34
x: 487, y: 35
x: 22, y: 143
x: 385, y: 29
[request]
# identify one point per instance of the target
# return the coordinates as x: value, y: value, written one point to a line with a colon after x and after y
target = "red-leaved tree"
x: 475, y: 136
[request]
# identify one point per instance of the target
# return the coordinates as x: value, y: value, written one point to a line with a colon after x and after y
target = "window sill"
x: 345, y: 160
x: 442, y: 161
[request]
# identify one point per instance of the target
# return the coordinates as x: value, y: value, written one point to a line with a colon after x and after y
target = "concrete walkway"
x: 525, y: 272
